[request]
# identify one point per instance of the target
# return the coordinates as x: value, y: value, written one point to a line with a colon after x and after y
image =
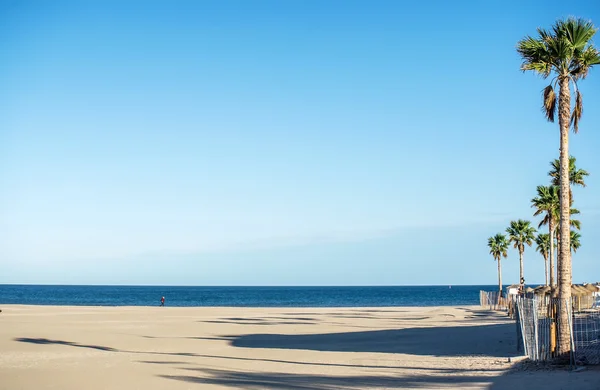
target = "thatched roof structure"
x: 591, y: 288
x: 579, y: 291
x: 542, y: 290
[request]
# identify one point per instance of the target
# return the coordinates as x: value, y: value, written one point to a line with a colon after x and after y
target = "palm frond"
x: 535, y: 56
x: 578, y: 32
x: 543, y: 244
x: 589, y: 58
x: 577, y: 111
x: 575, y: 241
x: 576, y: 176
x: 549, y: 103
x: 576, y: 224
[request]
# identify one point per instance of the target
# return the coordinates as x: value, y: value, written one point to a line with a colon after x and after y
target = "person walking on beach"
x: 162, y: 301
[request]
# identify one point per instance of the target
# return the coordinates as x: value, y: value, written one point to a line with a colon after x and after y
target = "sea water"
x: 242, y: 296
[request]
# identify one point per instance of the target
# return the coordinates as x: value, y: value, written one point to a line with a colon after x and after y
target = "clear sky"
x: 277, y: 142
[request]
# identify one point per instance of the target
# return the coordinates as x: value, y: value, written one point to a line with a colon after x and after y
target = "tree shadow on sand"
x: 495, y: 340
x: 61, y: 342
x: 284, y: 381
x: 43, y: 341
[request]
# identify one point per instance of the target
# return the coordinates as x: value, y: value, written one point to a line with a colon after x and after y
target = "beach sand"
x: 45, y: 347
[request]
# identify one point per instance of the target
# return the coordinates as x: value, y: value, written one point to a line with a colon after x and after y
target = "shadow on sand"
x: 61, y: 342
x: 281, y: 381
x: 43, y: 341
x: 487, y: 340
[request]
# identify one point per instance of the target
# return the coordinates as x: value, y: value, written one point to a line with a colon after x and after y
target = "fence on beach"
x: 538, y: 324
x: 493, y: 300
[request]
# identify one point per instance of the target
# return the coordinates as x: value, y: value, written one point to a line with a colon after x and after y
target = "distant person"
x: 522, y: 286
x: 162, y: 301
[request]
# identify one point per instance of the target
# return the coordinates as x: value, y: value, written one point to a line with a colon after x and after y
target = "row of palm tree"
x: 566, y: 52
x: 547, y: 204
x: 522, y: 234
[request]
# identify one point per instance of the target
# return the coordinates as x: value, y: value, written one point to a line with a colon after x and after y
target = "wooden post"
x: 552, y: 337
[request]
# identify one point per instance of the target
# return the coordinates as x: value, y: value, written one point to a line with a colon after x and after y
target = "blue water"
x: 242, y: 296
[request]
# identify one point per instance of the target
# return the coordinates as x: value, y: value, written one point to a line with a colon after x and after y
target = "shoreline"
x: 473, y: 306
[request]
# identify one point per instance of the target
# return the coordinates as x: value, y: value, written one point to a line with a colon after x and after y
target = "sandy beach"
x: 60, y: 347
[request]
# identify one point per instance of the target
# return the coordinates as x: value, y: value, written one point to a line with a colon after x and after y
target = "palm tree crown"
x: 498, y: 246
x: 576, y: 176
x: 543, y: 244
x: 521, y: 233
x: 547, y: 201
x: 566, y: 50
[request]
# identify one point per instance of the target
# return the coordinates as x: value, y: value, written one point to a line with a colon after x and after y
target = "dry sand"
x: 44, y: 347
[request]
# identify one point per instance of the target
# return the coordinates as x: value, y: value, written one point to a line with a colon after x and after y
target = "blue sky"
x: 276, y: 142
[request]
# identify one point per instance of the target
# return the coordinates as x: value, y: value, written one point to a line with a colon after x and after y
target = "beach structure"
x: 513, y: 290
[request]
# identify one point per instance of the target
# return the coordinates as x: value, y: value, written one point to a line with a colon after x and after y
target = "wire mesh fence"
x: 493, y: 300
x: 586, y: 336
x: 538, y: 325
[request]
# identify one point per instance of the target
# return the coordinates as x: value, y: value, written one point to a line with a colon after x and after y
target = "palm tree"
x: 543, y: 246
x: 575, y: 241
x: 521, y: 233
x: 498, y: 249
x: 575, y: 223
x: 567, y: 52
x: 547, y: 202
x: 576, y: 176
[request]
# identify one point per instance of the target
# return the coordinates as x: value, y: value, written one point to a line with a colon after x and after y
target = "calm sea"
x: 242, y: 296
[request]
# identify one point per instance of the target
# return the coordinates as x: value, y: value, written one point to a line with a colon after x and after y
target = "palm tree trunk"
x: 551, y: 228
x: 499, y: 278
x: 557, y: 252
x: 564, y: 261
x: 521, y: 265
x: 546, y: 266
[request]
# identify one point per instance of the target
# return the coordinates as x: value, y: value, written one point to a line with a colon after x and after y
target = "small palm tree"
x: 543, y: 247
x: 521, y: 233
x: 498, y: 249
x: 576, y: 176
x: 575, y: 223
x: 567, y: 52
x: 575, y: 241
x: 547, y: 202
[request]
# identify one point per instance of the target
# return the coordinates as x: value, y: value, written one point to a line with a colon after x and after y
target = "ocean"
x: 242, y: 296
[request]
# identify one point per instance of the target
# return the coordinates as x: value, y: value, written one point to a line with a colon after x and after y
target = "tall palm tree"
x: 543, y: 247
x: 547, y: 202
x: 498, y: 248
x: 521, y: 233
x: 575, y: 241
x: 567, y: 52
x: 575, y: 223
